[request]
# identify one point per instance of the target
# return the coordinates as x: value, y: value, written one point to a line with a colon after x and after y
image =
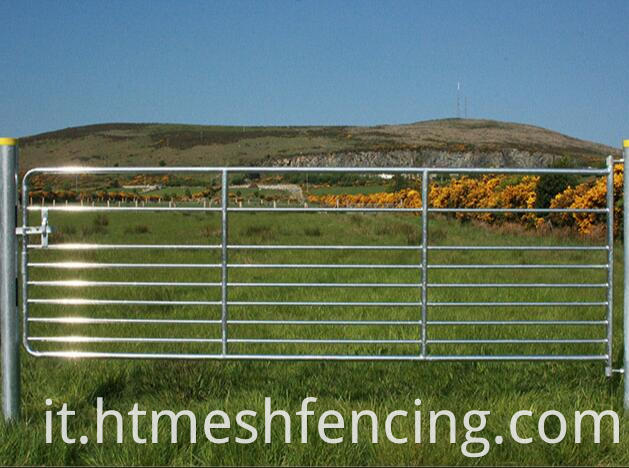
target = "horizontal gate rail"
x: 86, y: 320
x: 285, y: 169
x: 83, y: 283
x: 88, y: 265
x: 280, y: 209
x: 318, y: 357
x: 82, y: 246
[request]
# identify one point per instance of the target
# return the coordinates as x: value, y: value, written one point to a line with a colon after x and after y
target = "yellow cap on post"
x: 8, y: 142
x: 625, y: 144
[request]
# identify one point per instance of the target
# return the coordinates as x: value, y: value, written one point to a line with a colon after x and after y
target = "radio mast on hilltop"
x: 458, y: 100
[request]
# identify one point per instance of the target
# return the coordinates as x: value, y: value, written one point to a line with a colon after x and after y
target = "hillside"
x: 437, y: 142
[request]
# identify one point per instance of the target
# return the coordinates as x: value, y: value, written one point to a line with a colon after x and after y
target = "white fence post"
x: 9, y: 335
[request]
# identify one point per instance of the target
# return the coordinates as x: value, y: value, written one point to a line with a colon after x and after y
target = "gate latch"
x: 42, y: 230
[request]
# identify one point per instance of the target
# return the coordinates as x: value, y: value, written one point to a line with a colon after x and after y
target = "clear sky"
x: 563, y: 65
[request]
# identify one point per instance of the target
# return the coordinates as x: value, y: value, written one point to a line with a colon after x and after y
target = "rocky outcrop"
x: 421, y: 158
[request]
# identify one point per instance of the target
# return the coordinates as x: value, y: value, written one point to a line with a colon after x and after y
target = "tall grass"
x: 501, y: 387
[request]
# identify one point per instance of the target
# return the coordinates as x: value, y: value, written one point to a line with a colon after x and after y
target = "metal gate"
x: 224, y: 312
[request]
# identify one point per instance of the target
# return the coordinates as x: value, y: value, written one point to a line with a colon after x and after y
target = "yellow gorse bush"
x: 499, y: 191
x: 406, y: 198
x: 587, y: 196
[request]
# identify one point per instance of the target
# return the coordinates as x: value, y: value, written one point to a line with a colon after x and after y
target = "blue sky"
x: 563, y: 65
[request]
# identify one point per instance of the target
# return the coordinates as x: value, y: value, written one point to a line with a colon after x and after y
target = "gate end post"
x: 9, y: 323
x: 610, y: 263
x: 625, y: 212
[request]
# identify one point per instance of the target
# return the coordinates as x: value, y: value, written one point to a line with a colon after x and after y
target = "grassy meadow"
x: 201, y: 386
x: 349, y: 189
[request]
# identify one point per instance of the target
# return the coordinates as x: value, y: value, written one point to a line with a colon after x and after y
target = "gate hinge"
x: 42, y: 230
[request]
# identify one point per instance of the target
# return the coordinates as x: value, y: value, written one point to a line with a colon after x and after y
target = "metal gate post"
x: 9, y: 334
x: 610, y: 263
x: 625, y: 200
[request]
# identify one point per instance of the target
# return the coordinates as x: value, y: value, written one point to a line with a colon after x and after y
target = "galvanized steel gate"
x: 419, y: 316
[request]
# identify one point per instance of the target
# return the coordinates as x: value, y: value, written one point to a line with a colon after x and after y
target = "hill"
x: 435, y: 142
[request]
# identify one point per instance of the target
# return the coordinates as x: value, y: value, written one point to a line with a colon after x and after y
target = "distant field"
x: 201, y: 387
x: 174, y: 190
x: 180, y: 191
x: 251, y: 192
x: 350, y: 190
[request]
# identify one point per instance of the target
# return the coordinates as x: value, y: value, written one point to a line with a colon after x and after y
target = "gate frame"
x: 9, y: 332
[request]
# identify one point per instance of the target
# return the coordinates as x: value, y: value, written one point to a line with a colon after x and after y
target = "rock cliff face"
x: 421, y: 158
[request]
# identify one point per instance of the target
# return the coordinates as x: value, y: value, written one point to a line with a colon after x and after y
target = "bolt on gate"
x: 421, y: 313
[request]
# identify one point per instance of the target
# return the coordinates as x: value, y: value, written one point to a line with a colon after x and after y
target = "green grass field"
x: 174, y: 190
x: 500, y: 387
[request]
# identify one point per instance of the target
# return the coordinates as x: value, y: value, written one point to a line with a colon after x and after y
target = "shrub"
x: 550, y: 185
x: 238, y: 179
x: 399, y: 183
